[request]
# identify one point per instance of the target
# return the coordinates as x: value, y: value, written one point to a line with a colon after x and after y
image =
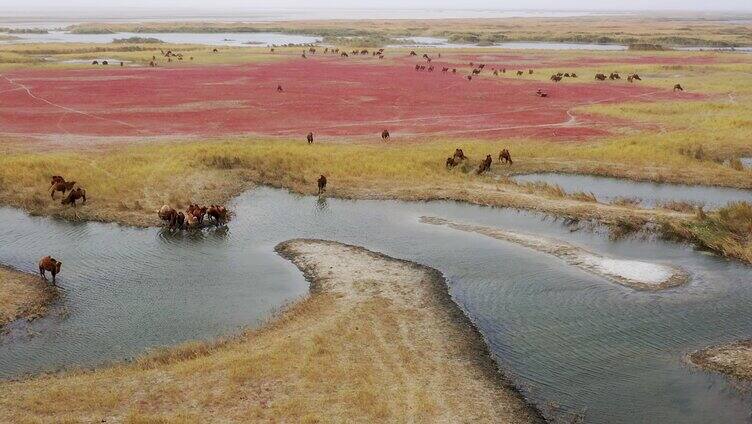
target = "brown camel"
x: 459, y: 155
x: 505, y: 156
x: 485, y: 165
x: 62, y: 186
x: 385, y: 135
x: 321, y: 184
x: 217, y: 213
x: 678, y: 87
x: 73, y: 196
x: 600, y: 77
x: 309, y: 137
x: 450, y: 162
x: 49, y: 264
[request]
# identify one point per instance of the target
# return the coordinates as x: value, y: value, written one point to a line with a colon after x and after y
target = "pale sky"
x: 18, y: 6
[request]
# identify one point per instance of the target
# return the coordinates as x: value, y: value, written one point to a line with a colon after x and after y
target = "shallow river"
x: 563, y: 335
x: 649, y: 194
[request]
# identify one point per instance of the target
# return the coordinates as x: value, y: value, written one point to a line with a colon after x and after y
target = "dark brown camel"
x: 73, y: 196
x: 505, y: 156
x: 321, y: 184
x: 385, y: 135
x: 309, y: 137
x: 459, y: 155
x: 485, y: 165
x: 600, y: 77
x: 678, y: 87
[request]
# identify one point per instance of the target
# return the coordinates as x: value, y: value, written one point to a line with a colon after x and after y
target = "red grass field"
x: 330, y: 97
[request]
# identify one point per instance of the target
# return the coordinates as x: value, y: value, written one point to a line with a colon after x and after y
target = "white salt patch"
x: 644, y: 272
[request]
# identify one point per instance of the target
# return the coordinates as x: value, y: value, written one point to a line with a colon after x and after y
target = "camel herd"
x: 485, y: 165
x: 58, y: 183
x: 193, y: 216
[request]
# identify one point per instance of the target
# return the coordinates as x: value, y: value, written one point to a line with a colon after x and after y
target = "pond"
x: 649, y: 194
x: 563, y: 335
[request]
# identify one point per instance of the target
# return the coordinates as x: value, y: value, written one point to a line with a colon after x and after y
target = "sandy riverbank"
x: 378, y: 340
x: 23, y: 296
x: 733, y: 359
x: 639, y: 275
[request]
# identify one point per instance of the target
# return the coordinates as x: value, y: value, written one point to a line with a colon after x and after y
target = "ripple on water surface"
x: 563, y: 334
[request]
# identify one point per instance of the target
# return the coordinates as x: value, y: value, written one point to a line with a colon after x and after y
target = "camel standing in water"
x: 49, y: 264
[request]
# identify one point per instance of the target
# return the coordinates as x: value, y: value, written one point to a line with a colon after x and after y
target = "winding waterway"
x: 645, y: 193
x: 563, y: 335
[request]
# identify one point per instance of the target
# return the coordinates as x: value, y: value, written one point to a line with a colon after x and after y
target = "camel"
x: 555, y: 78
x: 495, y: 72
x: 215, y: 51
x: 481, y: 65
x: 190, y: 220
x: 445, y: 70
x: 217, y: 213
x: 573, y: 75
x: 459, y: 155
x: 417, y: 67
x: 385, y: 135
x: 309, y: 137
x: 504, y: 156
x: 614, y: 76
x: 454, y: 70
x: 600, y: 77
x: 344, y: 54
x: 49, y: 264
x: 321, y: 184
x: 530, y: 71
x: 450, y: 162
x: 279, y: 89
x: 430, y: 68
x: 74, y: 195
x: 520, y: 73
x: 476, y: 71
x: 104, y: 62
x: 678, y: 87
x: 485, y: 165
x: 96, y: 62
x: 179, y: 221
x: 197, y: 212
x: 62, y: 186
x: 56, y: 179
x: 412, y: 53
x: 541, y: 93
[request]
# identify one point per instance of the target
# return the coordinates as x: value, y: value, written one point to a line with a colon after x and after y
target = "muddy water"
x: 565, y: 336
x: 607, y: 189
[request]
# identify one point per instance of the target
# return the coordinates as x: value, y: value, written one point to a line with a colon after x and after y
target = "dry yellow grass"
x: 379, y: 340
x: 23, y: 296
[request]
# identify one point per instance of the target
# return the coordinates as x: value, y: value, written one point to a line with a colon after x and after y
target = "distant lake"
x: 55, y: 19
x: 214, y: 39
x: 533, y: 45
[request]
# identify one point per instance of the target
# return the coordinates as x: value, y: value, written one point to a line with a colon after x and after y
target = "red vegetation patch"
x: 329, y: 97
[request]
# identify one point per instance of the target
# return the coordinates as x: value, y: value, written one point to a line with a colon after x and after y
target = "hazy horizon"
x: 93, y: 7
